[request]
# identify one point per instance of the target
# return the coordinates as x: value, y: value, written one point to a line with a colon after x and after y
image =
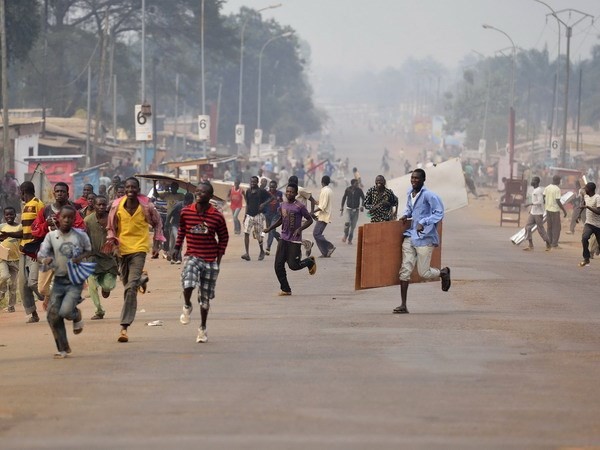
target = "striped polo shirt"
x: 206, y: 234
x: 30, y: 212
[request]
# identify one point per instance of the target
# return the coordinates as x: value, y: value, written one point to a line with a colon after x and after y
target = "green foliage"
x: 22, y: 27
x: 76, y: 36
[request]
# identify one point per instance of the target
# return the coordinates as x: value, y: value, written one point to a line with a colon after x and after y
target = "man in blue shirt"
x: 423, y: 211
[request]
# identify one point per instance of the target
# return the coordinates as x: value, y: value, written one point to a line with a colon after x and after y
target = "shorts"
x: 199, y: 273
x: 254, y: 225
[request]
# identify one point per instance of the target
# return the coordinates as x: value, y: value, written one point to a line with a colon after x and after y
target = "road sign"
x: 482, y: 144
x: 240, y: 132
x: 258, y: 136
x: 554, y: 148
x: 143, y: 125
x: 203, y: 127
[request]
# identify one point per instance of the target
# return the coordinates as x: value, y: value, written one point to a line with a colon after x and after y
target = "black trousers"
x: 290, y: 253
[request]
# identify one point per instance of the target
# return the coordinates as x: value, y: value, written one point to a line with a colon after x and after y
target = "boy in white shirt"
x: 59, y: 247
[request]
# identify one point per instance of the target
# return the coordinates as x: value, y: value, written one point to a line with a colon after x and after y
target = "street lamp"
x: 286, y: 34
x: 511, y: 120
x: 569, y: 33
x: 243, y: 30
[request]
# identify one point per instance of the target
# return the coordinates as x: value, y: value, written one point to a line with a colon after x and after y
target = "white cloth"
x: 537, y: 202
x: 591, y: 217
x: 325, y: 198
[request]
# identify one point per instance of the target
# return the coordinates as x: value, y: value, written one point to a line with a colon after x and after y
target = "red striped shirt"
x: 206, y: 233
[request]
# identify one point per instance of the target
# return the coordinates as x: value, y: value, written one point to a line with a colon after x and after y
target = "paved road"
x: 509, y: 358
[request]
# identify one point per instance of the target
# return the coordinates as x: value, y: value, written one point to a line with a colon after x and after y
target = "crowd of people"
x: 60, y: 247
x: 546, y: 208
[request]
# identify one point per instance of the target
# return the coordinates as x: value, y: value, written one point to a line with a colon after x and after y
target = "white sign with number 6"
x: 203, y: 128
x: 239, y: 134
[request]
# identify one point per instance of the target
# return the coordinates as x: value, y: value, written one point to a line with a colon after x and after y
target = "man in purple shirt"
x: 290, y: 245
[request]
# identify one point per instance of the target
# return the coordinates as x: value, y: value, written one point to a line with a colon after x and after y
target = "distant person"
x: 553, y: 207
x: 271, y: 212
x: 424, y: 210
x: 323, y: 215
x: 235, y: 196
x: 172, y: 222
x: 82, y: 201
x: 592, y: 221
x: 353, y: 201
x: 357, y: 177
x: 256, y: 200
x: 536, y: 215
x: 381, y: 202
x: 9, y: 262
x: 106, y: 270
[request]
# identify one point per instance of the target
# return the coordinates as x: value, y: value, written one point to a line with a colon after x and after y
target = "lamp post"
x: 569, y: 33
x: 511, y: 119
x: 242, y: 31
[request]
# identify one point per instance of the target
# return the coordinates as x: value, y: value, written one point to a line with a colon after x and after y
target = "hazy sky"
x: 374, y: 34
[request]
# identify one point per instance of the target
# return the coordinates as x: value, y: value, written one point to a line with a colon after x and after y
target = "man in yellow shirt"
x: 128, y: 222
x: 9, y: 260
x: 28, y: 265
x: 553, y: 207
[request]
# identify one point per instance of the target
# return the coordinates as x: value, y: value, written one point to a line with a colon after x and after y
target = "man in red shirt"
x: 82, y: 201
x: 235, y: 197
x: 205, y: 230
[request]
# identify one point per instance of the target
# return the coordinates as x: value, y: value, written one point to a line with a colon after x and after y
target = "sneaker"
x: 445, y: 276
x: 308, y: 245
x: 246, y: 256
x: 78, y: 327
x: 185, y: 315
x: 97, y: 316
x: 202, y: 335
x: 60, y: 355
x: 123, y: 336
x: 284, y: 293
x: 10, y: 309
x: 330, y: 252
x: 268, y: 251
x: 313, y: 268
x: 77, y: 322
x: 34, y: 318
x: 143, y: 287
x: 585, y: 262
x: 261, y: 256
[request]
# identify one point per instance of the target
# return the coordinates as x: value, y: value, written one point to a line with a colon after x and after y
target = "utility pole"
x: 175, y: 143
x: 579, y: 102
x: 569, y: 33
x: 89, y: 114
x: 45, y: 68
x: 202, y: 70
x: 5, y: 122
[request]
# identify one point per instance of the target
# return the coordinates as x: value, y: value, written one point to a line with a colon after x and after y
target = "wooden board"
x: 379, y: 255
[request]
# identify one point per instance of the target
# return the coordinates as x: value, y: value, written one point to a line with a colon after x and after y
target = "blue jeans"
x: 270, y: 219
x: 324, y: 245
x: 237, y: 226
x: 588, y: 231
x: 350, y: 224
x: 63, y: 305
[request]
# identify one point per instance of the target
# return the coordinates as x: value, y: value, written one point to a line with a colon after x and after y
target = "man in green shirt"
x: 105, y: 275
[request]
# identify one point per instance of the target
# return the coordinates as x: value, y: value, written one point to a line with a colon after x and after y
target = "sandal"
x: 401, y: 310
